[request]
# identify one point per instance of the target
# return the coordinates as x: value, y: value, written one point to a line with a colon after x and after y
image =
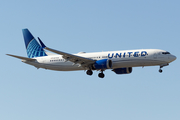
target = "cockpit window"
x: 165, y: 53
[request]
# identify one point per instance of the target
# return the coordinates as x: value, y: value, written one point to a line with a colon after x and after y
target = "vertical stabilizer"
x: 32, y: 46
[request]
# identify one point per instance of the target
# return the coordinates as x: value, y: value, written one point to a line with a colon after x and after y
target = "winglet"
x: 42, y: 44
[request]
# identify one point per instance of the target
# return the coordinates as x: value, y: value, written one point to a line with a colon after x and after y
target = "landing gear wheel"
x: 89, y: 72
x: 160, y: 70
x: 101, y: 75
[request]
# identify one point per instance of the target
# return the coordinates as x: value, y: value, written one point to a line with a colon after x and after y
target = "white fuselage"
x: 120, y: 59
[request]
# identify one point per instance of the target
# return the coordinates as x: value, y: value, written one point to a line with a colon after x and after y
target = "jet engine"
x: 123, y: 70
x: 102, y: 64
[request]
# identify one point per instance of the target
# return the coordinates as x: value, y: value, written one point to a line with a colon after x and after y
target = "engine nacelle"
x: 102, y: 64
x: 123, y: 70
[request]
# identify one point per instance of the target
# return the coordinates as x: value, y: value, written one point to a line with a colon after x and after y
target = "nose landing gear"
x: 160, y: 70
x: 161, y: 66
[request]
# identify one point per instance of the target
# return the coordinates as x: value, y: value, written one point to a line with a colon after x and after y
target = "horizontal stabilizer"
x: 22, y: 58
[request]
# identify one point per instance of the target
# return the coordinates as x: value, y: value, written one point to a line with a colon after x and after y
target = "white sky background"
x: 74, y: 26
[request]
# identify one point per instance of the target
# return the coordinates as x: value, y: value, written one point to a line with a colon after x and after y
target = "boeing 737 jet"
x: 121, y: 62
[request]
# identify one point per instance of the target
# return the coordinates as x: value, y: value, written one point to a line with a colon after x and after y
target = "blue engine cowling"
x: 123, y: 70
x: 102, y: 64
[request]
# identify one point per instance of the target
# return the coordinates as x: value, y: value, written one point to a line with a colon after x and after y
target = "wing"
x: 70, y: 57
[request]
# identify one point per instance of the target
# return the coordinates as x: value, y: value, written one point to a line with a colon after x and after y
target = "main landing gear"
x: 90, y: 72
x: 161, y: 66
x: 101, y: 75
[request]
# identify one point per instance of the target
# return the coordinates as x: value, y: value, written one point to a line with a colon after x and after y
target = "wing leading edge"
x: 70, y: 57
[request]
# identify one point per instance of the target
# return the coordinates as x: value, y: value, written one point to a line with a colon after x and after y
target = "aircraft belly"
x: 56, y: 66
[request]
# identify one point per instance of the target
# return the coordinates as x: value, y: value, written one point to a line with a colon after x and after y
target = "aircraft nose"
x: 173, y: 57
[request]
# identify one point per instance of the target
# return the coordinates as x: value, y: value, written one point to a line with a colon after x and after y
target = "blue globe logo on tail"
x: 32, y: 46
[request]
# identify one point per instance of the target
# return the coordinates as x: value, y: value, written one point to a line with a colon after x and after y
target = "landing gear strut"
x: 161, y: 66
x: 101, y: 75
x: 89, y: 72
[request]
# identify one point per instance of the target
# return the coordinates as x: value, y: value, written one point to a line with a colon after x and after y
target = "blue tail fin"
x: 32, y: 46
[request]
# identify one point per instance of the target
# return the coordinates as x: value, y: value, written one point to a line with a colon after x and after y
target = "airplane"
x: 120, y: 62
